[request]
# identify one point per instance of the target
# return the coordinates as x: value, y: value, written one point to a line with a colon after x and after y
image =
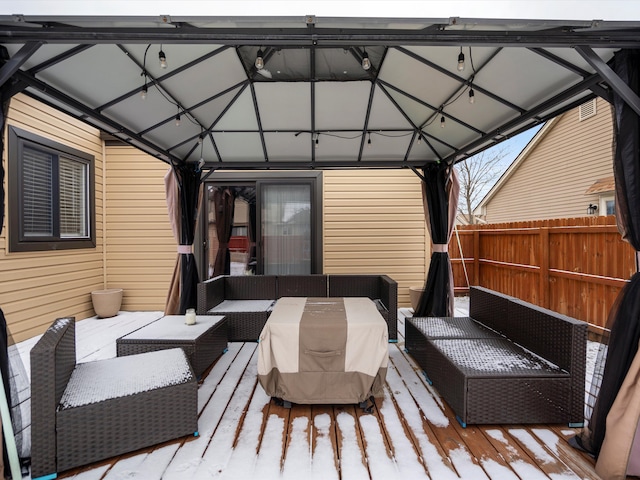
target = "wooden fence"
x: 573, y: 266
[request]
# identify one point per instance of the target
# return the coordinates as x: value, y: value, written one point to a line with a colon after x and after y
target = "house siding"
x: 38, y: 287
x: 140, y: 250
x: 374, y: 223
x: 552, y: 180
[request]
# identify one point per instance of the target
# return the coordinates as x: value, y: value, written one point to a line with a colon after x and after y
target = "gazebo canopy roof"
x: 312, y: 105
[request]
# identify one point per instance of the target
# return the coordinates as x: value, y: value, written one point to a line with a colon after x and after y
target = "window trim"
x: 17, y: 139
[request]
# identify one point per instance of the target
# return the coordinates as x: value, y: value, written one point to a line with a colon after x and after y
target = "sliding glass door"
x: 285, y: 227
x: 262, y: 225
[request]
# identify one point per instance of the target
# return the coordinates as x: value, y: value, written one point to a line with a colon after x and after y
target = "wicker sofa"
x: 508, y: 362
x: 246, y: 301
x: 82, y: 413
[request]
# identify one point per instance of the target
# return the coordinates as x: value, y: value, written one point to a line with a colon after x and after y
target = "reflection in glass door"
x: 285, y: 228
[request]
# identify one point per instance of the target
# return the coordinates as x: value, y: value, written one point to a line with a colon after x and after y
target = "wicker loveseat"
x: 246, y: 301
x: 508, y: 362
x: 82, y: 413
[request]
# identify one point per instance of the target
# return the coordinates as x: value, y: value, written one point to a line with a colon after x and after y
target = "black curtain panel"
x: 189, y: 193
x: 224, y: 199
x: 440, y: 191
x: 621, y: 345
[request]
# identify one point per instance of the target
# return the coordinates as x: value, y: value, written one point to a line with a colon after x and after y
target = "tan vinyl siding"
x: 38, y: 287
x: 140, y: 247
x: 374, y: 223
x: 551, y: 182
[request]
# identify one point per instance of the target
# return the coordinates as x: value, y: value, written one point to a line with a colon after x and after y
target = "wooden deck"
x: 411, y: 434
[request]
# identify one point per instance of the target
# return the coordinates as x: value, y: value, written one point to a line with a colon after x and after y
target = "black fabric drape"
x: 224, y: 199
x: 189, y: 192
x: 624, y: 317
x: 440, y: 197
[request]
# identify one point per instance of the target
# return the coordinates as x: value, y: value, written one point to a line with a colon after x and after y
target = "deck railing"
x: 573, y: 266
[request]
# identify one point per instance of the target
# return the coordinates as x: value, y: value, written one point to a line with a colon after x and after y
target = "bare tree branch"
x: 477, y: 175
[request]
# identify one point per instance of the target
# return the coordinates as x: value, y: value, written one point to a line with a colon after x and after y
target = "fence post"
x: 544, y: 266
x: 476, y: 257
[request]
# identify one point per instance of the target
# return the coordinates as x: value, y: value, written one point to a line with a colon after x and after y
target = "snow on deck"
x: 411, y: 435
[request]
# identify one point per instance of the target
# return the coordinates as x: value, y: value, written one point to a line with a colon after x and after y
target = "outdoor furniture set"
x: 509, y: 362
x: 247, y: 301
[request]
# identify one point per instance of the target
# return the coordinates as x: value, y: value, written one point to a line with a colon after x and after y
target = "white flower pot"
x: 106, y: 303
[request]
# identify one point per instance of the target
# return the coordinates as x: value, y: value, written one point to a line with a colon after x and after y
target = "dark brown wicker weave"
x: 302, y: 286
x: 201, y: 351
x: 473, y: 367
x: 380, y: 288
x: 64, y: 438
x: 246, y: 326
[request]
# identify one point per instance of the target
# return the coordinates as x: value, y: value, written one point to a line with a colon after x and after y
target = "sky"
x: 539, y: 9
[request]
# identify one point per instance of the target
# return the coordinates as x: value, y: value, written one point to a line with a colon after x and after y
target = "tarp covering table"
x: 323, y: 350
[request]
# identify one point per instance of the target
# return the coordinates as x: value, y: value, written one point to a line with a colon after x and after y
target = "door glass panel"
x: 286, y: 229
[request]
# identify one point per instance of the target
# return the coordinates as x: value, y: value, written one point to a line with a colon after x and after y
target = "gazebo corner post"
x: 440, y: 192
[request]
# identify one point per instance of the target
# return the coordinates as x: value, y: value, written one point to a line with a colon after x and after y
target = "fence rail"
x: 573, y: 266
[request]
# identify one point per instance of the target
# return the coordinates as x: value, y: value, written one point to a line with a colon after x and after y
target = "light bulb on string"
x: 461, y: 61
x: 163, y: 58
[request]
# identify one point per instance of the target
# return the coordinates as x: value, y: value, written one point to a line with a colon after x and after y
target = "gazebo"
x: 292, y: 93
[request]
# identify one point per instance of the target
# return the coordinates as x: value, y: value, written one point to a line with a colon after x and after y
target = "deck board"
x: 411, y: 433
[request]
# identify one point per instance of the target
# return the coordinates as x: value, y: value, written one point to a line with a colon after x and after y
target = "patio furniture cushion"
x: 237, y: 306
x: 124, y: 376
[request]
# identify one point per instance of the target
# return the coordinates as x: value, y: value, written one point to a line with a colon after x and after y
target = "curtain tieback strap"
x: 185, y: 249
x: 440, y: 248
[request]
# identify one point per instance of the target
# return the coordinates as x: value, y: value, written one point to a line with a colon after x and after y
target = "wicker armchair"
x: 79, y: 415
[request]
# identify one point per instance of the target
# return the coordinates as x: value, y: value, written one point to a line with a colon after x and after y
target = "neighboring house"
x: 566, y: 168
x: 368, y: 221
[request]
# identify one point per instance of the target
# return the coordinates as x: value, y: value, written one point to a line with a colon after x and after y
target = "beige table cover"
x: 323, y: 350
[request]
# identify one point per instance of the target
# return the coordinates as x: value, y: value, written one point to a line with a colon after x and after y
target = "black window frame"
x: 18, y: 139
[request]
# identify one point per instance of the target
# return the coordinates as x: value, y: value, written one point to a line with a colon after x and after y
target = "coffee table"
x: 203, y: 342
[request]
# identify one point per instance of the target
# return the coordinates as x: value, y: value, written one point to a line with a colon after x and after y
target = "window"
x: 51, y: 195
x: 607, y: 205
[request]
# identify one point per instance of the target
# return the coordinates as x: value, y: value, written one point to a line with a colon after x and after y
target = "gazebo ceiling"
x: 312, y: 105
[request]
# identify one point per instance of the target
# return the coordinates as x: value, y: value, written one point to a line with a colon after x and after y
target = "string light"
x: 178, y: 119
x: 461, y: 61
x: 369, y: 141
x: 366, y: 63
x: 317, y: 140
x: 163, y: 58
x: 472, y: 96
x: 442, y: 121
x: 143, y: 92
x: 259, y: 60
